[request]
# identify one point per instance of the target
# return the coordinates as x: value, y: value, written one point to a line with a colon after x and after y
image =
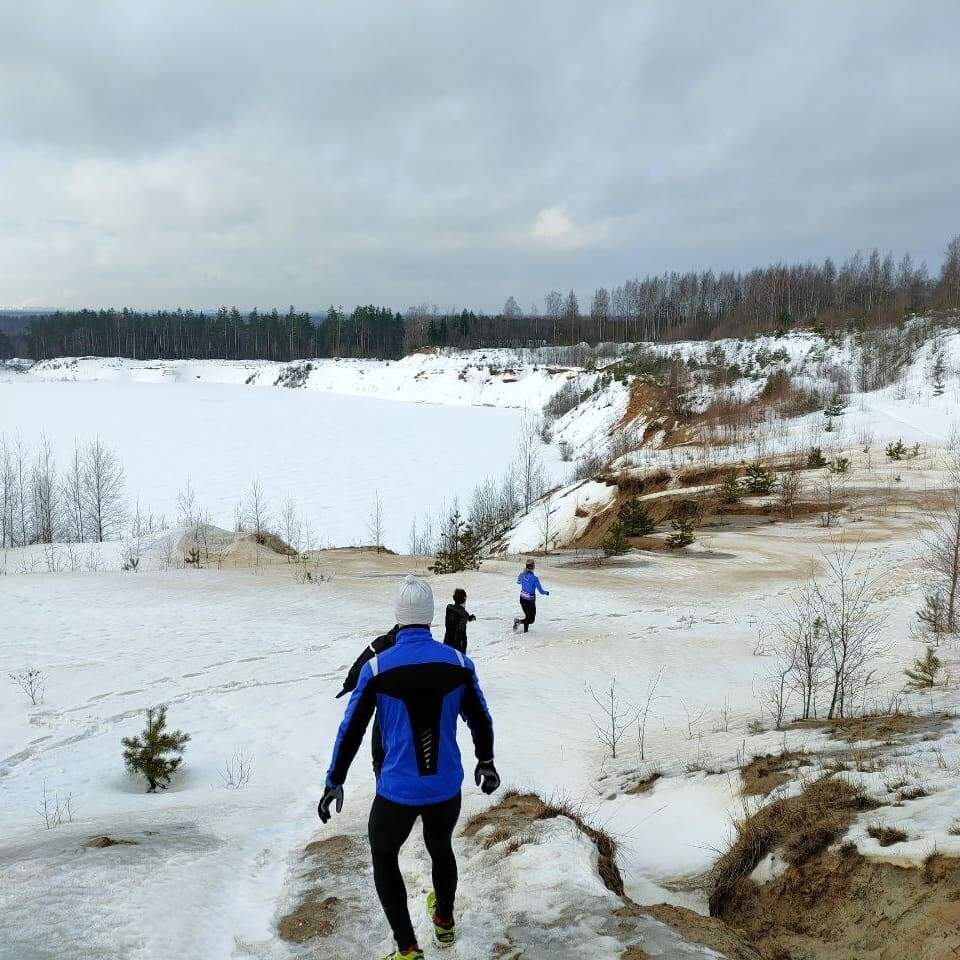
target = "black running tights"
x: 390, y: 825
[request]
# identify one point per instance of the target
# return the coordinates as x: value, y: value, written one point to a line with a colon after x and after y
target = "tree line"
x: 873, y: 290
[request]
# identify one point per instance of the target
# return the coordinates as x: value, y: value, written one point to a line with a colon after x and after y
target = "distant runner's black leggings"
x: 390, y: 825
x: 529, y: 612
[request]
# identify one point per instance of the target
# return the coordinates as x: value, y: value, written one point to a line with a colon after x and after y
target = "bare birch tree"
x: 845, y: 601
x: 103, y: 483
x: 73, y: 496
x: 940, y: 550
x: 255, y: 511
x: 529, y: 462
x: 375, y: 522
x: 45, y: 494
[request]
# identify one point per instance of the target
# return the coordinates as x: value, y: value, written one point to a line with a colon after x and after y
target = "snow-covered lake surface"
x: 332, y: 453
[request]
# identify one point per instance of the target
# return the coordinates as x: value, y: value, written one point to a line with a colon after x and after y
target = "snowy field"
x: 331, y: 452
x: 251, y: 661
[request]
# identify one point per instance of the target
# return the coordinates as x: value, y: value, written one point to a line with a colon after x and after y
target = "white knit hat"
x: 414, y: 602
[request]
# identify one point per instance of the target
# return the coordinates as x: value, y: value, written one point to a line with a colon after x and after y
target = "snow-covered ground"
x: 250, y: 660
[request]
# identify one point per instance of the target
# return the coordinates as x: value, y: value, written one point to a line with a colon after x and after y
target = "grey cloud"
x: 256, y: 153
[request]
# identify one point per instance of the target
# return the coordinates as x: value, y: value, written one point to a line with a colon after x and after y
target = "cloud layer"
x: 260, y: 154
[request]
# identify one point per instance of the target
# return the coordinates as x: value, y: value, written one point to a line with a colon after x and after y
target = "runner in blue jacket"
x: 418, y: 688
x: 530, y: 586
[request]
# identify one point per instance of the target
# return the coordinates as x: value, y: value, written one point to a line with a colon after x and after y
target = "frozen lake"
x: 330, y: 452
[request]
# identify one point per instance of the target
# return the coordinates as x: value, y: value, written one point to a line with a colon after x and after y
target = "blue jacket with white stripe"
x: 418, y: 688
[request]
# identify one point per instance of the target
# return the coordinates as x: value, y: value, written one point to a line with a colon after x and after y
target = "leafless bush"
x: 693, y: 716
x: 789, y: 492
x: 55, y: 809
x: 616, y: 717
x: 237, y: 771
x: 645, y: 712
x: 309, y: 571
x: 588, y: 466
x: 32, y: 682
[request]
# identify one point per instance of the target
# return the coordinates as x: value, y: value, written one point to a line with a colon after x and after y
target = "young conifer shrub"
x: 925, y: 672
x: 157, y: 753
x: 615, y: 541
x: 636, y: 519
x: 461, y: 548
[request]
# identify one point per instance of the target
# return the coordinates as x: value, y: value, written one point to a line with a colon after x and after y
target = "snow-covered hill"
x: 494, y: 378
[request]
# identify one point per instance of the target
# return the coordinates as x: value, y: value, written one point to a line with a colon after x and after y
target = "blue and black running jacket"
x: 418, y: 687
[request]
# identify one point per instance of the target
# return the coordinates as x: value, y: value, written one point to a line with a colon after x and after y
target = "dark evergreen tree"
x: 157, y: 753
x: 635, y: 519
x: 685, y: 517
x: 896, y: 451
x: 614, y: 543
x: 461, y: 548
x: 760, y: 480
x: 730, y: 491
x: 816, y: 459
x: 939, y: 374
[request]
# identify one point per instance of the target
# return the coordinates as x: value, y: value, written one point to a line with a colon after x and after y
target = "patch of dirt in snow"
x: 841, y: 906
x: 319, y: 913
x: 103, y: 841
x: 762, y: 775
x: 882, y: 727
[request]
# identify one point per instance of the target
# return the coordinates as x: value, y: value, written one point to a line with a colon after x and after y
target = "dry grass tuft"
x: 762, y: 775
x: 802, y: 827
x: 886, y: 836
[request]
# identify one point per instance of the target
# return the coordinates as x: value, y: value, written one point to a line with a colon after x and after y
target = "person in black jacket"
x: 384, y: 642
x: 457, y: 619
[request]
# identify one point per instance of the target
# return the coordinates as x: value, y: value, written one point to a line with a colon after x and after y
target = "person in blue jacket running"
x: 530, y: 586
x: 418, y: 688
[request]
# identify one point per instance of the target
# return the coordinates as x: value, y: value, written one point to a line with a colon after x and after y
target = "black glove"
x: 471, y: 618
x: 487, y: 773
x: 330, y: 794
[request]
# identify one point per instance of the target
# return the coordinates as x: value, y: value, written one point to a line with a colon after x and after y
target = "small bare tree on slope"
x: 940, y: 551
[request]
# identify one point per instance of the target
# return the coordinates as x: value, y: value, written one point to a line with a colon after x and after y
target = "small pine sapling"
x: 461, y: 549
x: 192, y: 559
x: 730, y: 491
x: 156, y: 754
x: 686, y: 516
x: 896, y: 451
x: 760, y: 480
x: 816, y: 459
x: 614, y: 543
x: 938, y: 375
x: 635, y: 519
x: 835, y: 406
x: 840, y: 465
x: 925, y: 672
x: 933, y: 614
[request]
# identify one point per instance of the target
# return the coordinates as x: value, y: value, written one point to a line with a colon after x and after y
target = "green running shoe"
x: 444, y: 931
x: 415, y: 954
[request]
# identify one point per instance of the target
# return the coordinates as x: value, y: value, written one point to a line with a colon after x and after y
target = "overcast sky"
x: 264, y: 152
